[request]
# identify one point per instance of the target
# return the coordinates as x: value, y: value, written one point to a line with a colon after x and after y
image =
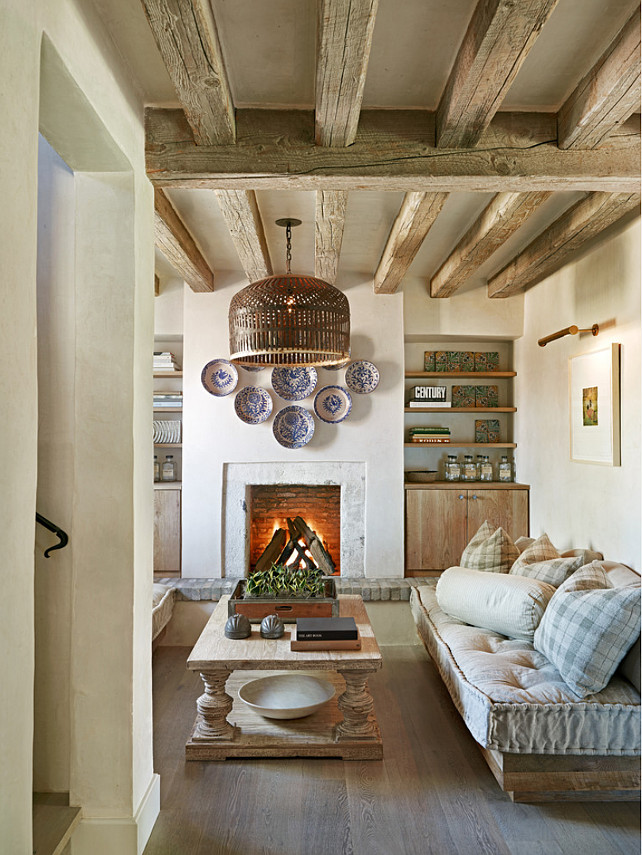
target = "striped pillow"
x: 491, y: 550
x: 587, y: 629
x: 542, y: 561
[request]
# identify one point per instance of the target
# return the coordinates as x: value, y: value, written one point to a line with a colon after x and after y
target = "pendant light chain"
x: 288, y: 250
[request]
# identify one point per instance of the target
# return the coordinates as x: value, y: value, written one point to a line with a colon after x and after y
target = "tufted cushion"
x: 491, y: 550
x: 542, y: 561
x: 510, y: 605
x: 587, y: 629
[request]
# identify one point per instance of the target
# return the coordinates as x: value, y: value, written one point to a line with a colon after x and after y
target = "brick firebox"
x: 272, y: 504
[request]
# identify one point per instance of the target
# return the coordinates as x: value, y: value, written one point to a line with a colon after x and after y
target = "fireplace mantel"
x: 237, y: 479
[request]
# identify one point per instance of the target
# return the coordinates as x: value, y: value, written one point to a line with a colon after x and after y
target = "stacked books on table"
x: 168, y: 400
x: 428, y: 396
x: 429, y: 435
x: 329, y: 633
x: 164, y: 360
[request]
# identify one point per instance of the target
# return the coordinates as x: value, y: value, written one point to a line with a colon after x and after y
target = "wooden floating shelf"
x: 444, y: 445
x: 465, y: 375
x: 460, y: 409
x: 168, y: 409
x: 168, y: 374
x: 168, y: 445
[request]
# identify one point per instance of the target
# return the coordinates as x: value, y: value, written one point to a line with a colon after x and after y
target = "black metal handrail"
x: 64, y: 539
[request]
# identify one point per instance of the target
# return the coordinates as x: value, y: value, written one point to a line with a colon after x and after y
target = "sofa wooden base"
x: 565, y: 777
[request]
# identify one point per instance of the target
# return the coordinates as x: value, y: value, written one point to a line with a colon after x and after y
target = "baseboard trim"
x: 147, y: 812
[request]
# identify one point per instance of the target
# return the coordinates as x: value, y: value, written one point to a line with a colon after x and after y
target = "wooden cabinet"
x: 167, y: 530
x: 440, y: 520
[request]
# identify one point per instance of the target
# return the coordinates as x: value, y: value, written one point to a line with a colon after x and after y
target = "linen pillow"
x: 491, y: 550
x: 587, y: 629
x: 510, y: 605
x: 542, y: 561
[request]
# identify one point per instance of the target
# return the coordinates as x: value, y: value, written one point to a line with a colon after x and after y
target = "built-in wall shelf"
x: 168, y: 409
x: 443, y: 446
x: 168, y: 445
x: 168, y: 373
x: 465, y: 375
x: 460, y: 410
x: 464, y: 485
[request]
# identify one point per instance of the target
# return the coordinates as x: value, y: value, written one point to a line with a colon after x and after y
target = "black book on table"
x: 326, y: 629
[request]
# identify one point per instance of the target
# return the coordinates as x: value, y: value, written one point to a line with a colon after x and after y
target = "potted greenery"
x: 289, y: 592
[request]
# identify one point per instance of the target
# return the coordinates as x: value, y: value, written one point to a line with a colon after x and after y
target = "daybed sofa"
x: 540, y: 739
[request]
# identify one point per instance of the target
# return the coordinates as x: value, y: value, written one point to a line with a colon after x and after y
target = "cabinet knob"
x: 460, y: 497
x: 474, y: 496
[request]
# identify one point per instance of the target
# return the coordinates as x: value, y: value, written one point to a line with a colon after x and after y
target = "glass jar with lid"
x: 156, y: 468
x: 485, y: 469
x: 168, y: 469
x: 469, y: 469
x: 452, y: 468
x: 505, y: 471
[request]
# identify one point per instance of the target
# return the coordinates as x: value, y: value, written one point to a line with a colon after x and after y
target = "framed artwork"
x: 594, y: 399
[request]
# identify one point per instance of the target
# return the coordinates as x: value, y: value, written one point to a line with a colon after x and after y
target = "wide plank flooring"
x: 432, y: 793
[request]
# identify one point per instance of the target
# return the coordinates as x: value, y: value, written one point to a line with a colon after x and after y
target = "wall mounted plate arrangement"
x: 362, y: 377
x: 219, y: 377
x: 332, y: 404
x: 294, y: 384
x: 253, y: 405
x: 293, y: 427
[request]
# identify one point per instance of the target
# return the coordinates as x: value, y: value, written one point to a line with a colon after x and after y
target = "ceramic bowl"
x: 286, y: 695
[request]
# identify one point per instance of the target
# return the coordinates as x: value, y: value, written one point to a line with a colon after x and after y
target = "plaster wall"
x: 213, y: 435
x: 86, y: 108
x: 582, y: 504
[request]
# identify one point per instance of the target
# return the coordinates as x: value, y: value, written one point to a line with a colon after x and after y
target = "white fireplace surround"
x: 239, y: 477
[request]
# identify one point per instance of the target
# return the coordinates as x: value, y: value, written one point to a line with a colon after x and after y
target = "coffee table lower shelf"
x: 315, y: 735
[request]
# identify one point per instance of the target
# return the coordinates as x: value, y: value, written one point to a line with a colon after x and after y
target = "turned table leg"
x: 214, y: 705
x: 357, y: 707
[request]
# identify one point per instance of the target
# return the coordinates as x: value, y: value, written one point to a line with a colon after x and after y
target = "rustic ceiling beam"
x: 329, y: 222
x: 414, y: 220
x: 344, y: 35
x: 178, y: 246
x: 497, y: 41
x: 275, y: 149
x: 607, y: 95
x: 242, y: 216
x: 497, y: 222
x: 555, y: 245
x: 186, y: 35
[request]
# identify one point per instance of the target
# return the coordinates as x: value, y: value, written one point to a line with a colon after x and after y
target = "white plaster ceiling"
x: 269, y: 50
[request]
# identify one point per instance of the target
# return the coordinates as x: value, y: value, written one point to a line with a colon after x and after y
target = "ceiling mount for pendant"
x: 289, y: 319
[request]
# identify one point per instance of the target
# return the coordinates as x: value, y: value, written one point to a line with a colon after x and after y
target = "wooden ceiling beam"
x: 186, y: 35
x: 607, y: 95
x: 414, y: 220
x: 497, y: 222
x: 329, y: 222
x: 497, y: 41
x: 344, y: 29
x: 178, y: 246
x: 242, y: 216
x: 393, y: 151
x: 555, y: 245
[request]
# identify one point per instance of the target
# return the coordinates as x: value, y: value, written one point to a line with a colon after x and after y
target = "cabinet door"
x: 167, y: 532
x: 435, y: 528
x: 505, y: 508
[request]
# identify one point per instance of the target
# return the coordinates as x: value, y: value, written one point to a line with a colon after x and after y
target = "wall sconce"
x: 572, y: 330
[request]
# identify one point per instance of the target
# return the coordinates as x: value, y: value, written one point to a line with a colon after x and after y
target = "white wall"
x: 213, y: 435
x: 582, y: 504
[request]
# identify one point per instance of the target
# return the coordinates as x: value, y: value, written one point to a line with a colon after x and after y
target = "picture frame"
x: 594, y: 406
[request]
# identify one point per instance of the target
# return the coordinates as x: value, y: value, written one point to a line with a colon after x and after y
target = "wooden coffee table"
x: 225, y: 727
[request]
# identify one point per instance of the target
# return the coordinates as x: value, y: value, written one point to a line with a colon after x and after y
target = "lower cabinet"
x: 167, y: 530
x: 441, y: 520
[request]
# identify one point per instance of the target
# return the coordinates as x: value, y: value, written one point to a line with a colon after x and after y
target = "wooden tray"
x: 288, y: 609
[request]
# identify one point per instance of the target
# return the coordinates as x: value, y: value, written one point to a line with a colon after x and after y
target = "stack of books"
x: 164, y: 360
x: 164, y: 400
x: 330, y: 633
x: 433, y: 435
x: 428, y: 396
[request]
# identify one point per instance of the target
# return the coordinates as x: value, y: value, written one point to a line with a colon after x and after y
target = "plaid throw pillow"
x: 490, y: 549
x: 587, y: 629
x: 542, y: 561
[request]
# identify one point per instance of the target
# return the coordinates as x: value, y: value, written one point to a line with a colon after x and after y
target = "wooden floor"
x: 432, y: 793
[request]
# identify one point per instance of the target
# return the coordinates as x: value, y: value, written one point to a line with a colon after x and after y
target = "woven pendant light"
x: 289, y: 320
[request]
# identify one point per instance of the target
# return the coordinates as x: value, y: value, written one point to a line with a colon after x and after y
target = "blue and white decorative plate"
x: 253, y: 405
x: 293, y: 427
x: 219, y: 377
x: 294, y: 384
x: 332, y: 404
x: 362, y: 377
